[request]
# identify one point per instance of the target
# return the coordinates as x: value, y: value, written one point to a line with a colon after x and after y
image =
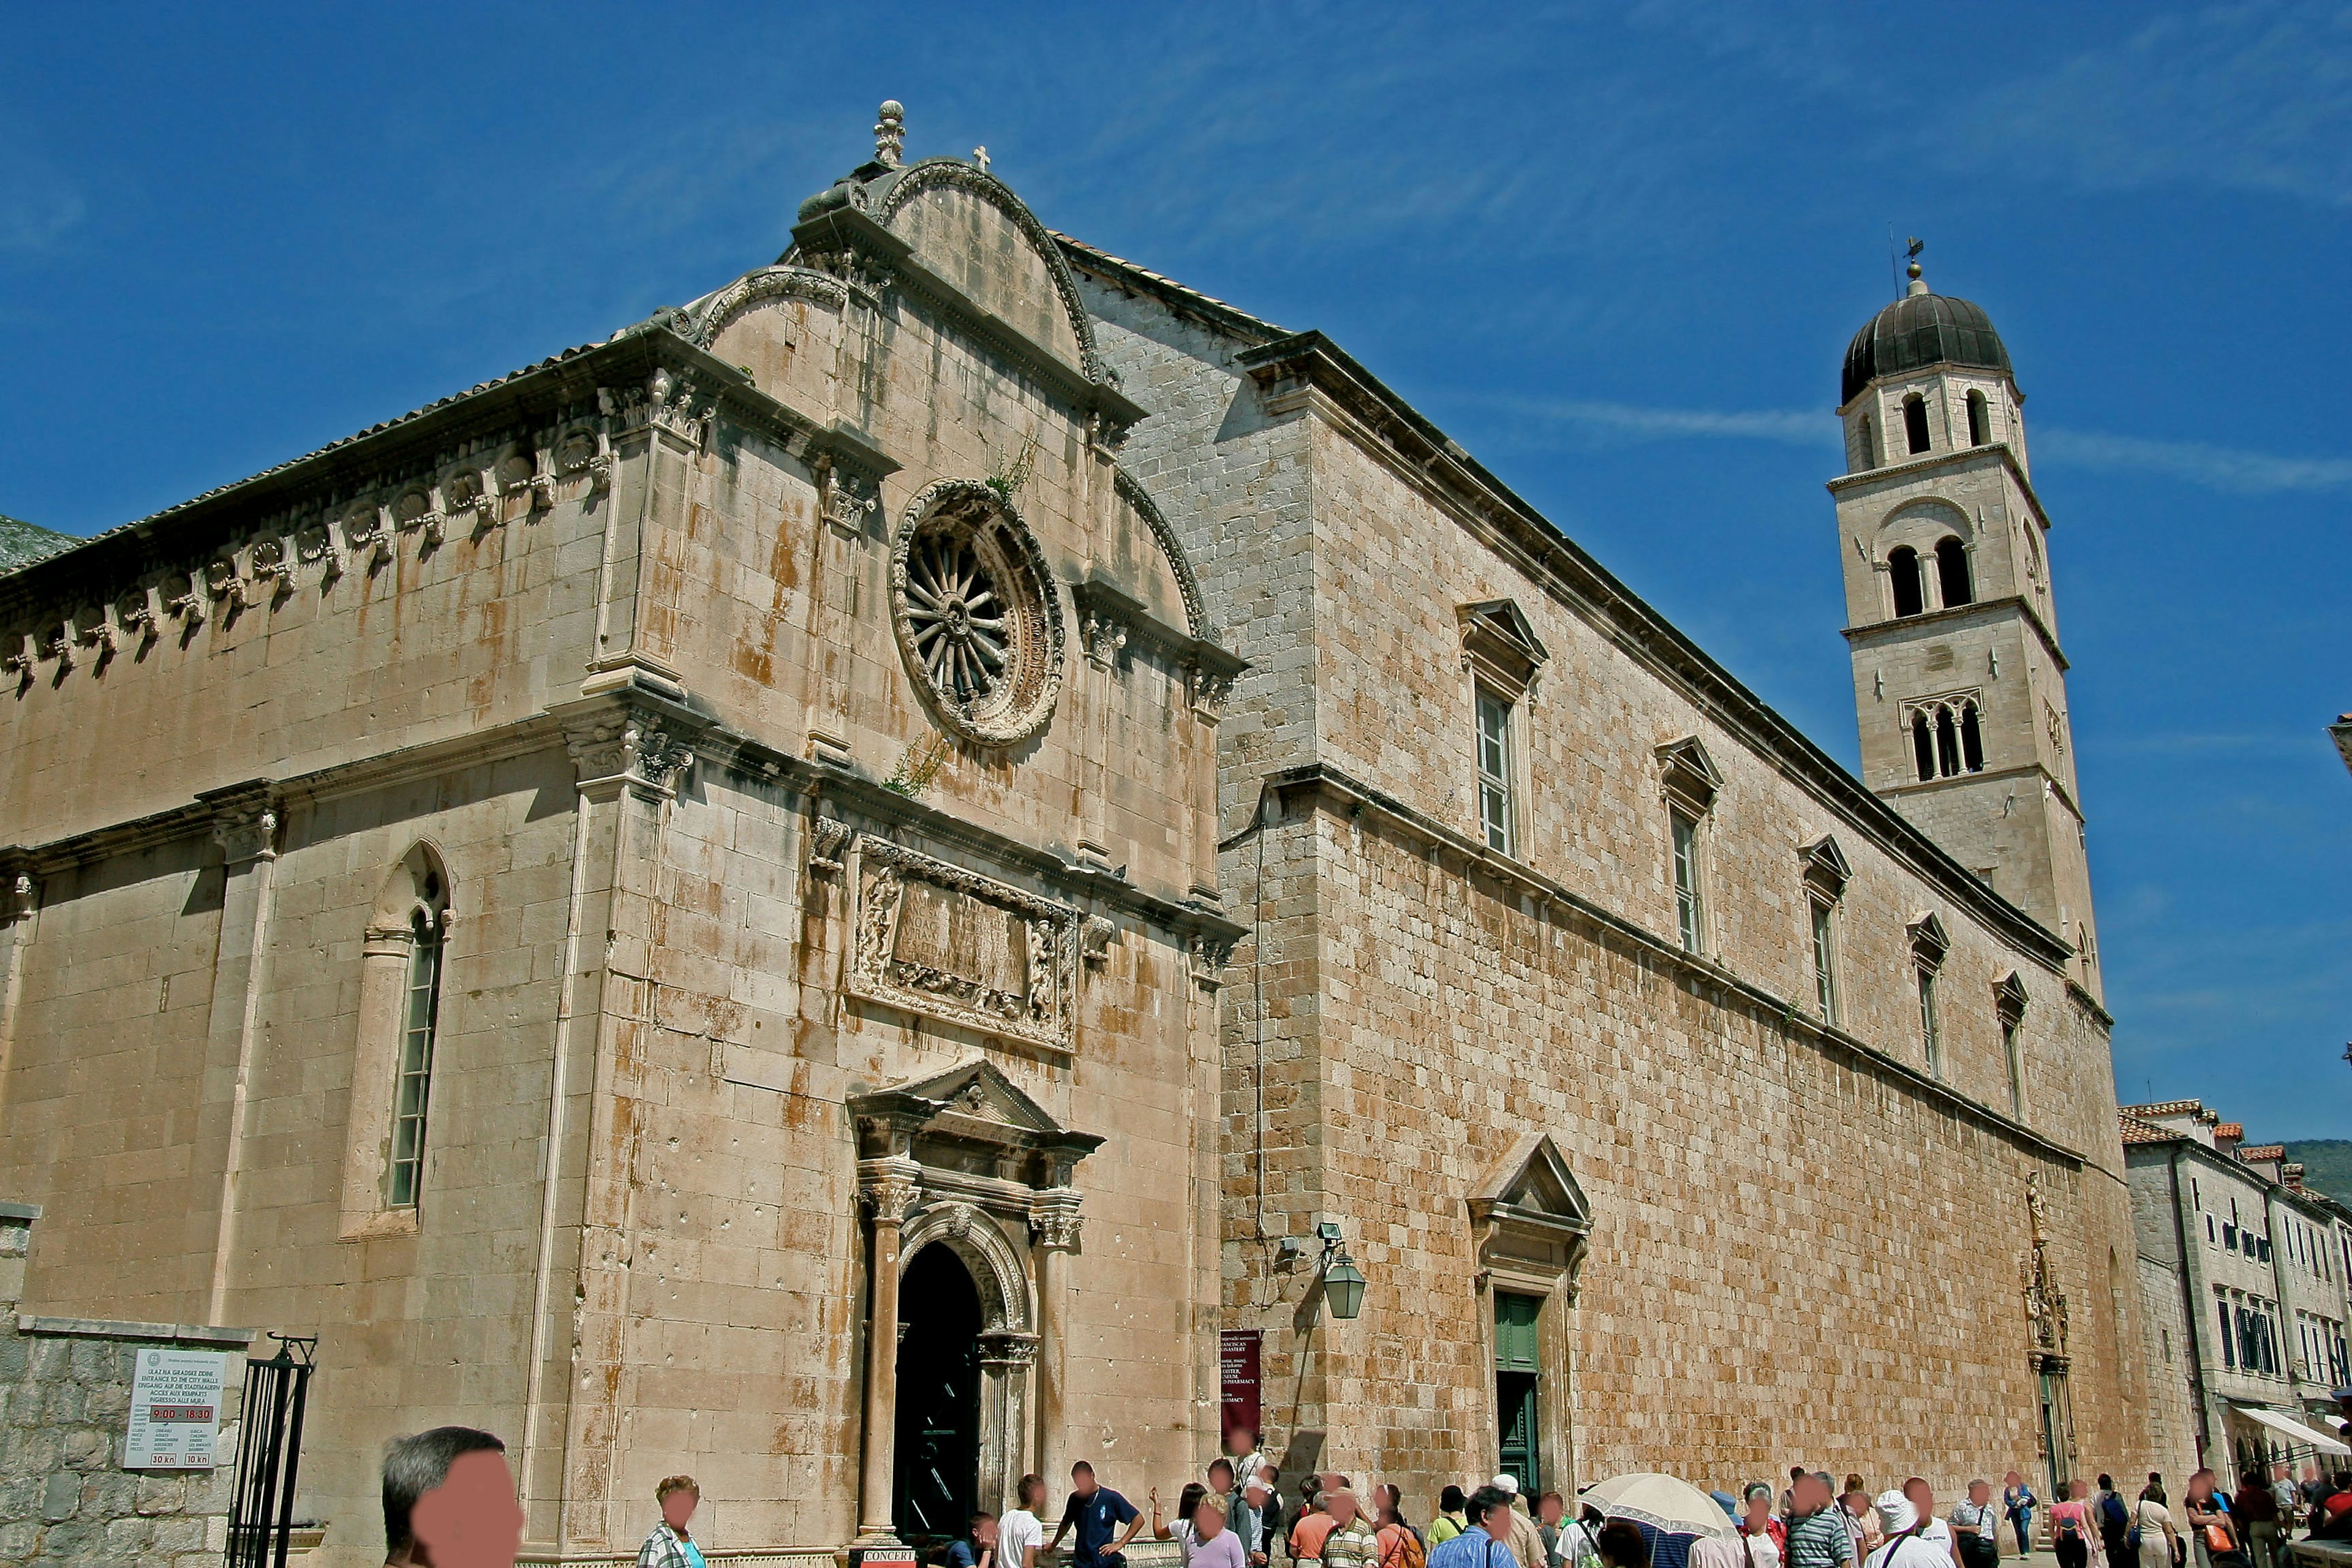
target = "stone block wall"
x: 65, y: 1402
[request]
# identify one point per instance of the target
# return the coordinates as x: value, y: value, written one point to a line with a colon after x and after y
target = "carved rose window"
x: 976, y: 613
x: 957, y: 620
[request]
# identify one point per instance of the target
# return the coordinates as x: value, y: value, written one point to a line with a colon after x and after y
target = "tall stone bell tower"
x: 1959, y: 678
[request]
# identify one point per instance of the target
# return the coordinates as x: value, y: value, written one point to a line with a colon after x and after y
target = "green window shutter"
x: 1515, y: 1332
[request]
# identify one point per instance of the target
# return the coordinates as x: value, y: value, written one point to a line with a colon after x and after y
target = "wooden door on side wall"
x: 1518, y: 1371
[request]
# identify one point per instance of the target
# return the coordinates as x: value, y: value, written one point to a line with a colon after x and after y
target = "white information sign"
x: 175, y: 1410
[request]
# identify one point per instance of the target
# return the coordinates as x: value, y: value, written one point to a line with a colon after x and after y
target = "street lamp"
x: 1343, y: 1283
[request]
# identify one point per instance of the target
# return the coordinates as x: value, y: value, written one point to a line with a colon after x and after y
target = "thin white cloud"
x: 2241, y: 97
x: 1791, y: 426
x: 38, y: 207
x: 2215, y: 468
x: 2224, y: 468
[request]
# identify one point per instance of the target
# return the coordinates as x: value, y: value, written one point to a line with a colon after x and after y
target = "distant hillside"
x: 2326, y: 1164
x: 22, y: 543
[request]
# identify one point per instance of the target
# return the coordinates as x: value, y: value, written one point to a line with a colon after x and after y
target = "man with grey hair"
x: 449, y: 1501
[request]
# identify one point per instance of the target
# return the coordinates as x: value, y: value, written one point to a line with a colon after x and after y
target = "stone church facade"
x: 831, y: 891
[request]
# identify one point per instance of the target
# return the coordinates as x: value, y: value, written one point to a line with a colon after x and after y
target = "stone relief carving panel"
x: 934, y: 939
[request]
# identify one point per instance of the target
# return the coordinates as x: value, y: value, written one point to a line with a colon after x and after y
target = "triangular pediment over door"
x: 1530, y: 1219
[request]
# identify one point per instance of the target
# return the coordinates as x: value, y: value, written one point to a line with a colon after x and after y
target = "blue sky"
x: 1616, y: 251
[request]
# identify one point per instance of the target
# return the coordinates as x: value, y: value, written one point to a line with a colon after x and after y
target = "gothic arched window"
x: 1979, y: 420
x: 1952, y: 574
x: 400, y: 982
x: 1946, y: 737
x: 1914, y: 422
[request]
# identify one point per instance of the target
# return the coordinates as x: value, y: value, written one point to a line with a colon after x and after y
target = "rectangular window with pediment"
x: 1690, y: 900
x: 1931, y: 1033
x: 1495, y: 804
x: 1825, y: 988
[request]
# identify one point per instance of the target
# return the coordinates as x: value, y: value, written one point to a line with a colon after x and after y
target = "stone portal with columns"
x: 968, y: 1161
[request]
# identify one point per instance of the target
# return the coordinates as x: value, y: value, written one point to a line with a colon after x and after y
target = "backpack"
x: 2066, y: 1525
x: 2112, y: 1512
x: 1407, y: 1553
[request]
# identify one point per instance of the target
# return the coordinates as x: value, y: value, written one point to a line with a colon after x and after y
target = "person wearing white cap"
x: 1525, y: 1540
x: 1904, y: 1548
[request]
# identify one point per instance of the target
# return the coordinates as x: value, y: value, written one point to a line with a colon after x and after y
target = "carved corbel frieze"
x: 272, y: 575
x: 188, y: 603
x: 675, y: 406
x: 19, y: 893
x: 413, y: 510
x: 828, y: 836
x: 95, y: 631
x: 18, y: 660
x: 1009, y: 1350
x: 846, y: 499
x: 583, y: 453
x: 1209, y: 689
x: 134, y: 613
x: 364, y: 534
x: 59, y: 645
x: 631, y: 748
x: 1210, y: 954
x: 1095, y: 936
x: 467, y: 492
x: 889, y: 1186
x: 313, y: 544
x: 245, y: 826
x: 1054, y: 1219
x: 1104, y: 635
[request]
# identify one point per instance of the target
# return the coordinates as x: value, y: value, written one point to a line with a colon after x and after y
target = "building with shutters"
x: 2251, y: 1293
x: 892, y: 876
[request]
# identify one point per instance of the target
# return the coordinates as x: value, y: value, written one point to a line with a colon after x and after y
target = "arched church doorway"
x: 935, y: 1478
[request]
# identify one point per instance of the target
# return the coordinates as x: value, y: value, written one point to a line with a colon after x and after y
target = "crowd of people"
x: 449, y: 1502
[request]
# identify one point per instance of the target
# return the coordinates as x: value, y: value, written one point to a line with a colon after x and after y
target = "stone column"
x: 244, y: 825
x: 629, y: 755
x: 1004, y: 1361
x: 1053, y: 1232
x: 889, y: 1187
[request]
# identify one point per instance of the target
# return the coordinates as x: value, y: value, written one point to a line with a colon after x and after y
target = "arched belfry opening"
x: 966, y: 1183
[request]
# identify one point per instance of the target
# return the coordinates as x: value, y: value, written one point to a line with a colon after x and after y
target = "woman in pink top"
x: 2071, y: 1528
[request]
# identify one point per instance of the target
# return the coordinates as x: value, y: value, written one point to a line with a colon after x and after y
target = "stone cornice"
x: 1551, y: 558
x: 534, y: 397
x: 1100, y: 597
x: 820, y: 781
x: 109, y: 1329
x: 1957, y: 615
x: 1959, y: 457
x: 683, y: 727
x: 2026, y: 770
x: 1333, y: 785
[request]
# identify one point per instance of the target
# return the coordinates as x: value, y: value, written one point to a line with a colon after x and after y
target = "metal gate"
x: 269, y: 1453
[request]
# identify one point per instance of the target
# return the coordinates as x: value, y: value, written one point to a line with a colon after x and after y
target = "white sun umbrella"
x: 1665, y: 1504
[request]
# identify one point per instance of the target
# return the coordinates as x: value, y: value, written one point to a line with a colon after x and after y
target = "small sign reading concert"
x: 1237, y: 1379
x: 175, y: 1410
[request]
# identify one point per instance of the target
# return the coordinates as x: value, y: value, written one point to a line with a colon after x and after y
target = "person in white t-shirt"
x: 1907, y: 1545
x: 1922, y: 1498
x: 1020, y: 1533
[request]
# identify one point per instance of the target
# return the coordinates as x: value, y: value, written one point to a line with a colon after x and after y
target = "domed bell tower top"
x: 1959, y: 681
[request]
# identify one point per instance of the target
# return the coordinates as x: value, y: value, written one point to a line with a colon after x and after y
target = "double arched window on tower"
x: 1907, y: 573
x: 1946, y: 738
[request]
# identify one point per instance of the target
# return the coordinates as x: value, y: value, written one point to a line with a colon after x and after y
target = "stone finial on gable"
x: 891, y: 134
